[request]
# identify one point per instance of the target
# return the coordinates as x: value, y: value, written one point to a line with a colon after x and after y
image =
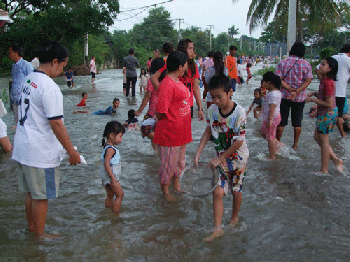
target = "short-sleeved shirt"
x: 226, y: 129
x: 231, y: 65
x: 35, y: 143
x: 208, y: 63
x: 272, y: 97
x: 294, y: 70
x: 153, y: 99
x: 19, y: 71
x: 69, y: 75
x: 343, y: 74
x: 93, y: 66
x: 258, y: 101
x: 326, y: 89
x: 131, y: 63
x: 174, y: 129
x: 188, y: 82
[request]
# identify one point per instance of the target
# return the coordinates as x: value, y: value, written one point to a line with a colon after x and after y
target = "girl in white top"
x: 271, y: 111
x: 110, y: 165
x: 143, y: 80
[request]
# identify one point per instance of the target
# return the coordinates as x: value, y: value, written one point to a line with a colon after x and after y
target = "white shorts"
x: 106, y: 180
x: 3, y: 129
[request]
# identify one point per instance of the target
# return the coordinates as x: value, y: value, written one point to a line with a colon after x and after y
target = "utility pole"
x: 210, y: 26
x: 86, y: 49
x: 292, y: 24
x: 179, y: 27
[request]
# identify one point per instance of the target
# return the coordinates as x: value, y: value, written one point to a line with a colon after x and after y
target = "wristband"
x: 200, y: 109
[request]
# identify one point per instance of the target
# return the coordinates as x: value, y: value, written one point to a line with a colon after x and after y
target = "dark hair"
x: 182, y: 47
x: 52, y: 50
x: 258, y: 90
x: 150, y: 58
x: 92, y: 57
x: 157, y: 64
x: 18, y: 49
x: 141, y: 72
x: 113, y: 127
x: 131, y: 113
x: 271, y: 77
x: 114, y: 100
x: 168, y: 48
x: 131, y: 51
x: 298, y: 49
x: 345, y: 49
x: 83, y: 94
x: 218, y: 63
x: 220, y: 81
x: 175, y: 60
x: 210, y: 54
x: 249, y: 65
x: 232, y: 47
x: 333, y: 64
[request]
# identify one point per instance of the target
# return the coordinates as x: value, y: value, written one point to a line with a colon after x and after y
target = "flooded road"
x: 289, y: 212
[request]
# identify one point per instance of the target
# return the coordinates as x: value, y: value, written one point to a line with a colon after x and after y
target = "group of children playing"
x: 226, y: 128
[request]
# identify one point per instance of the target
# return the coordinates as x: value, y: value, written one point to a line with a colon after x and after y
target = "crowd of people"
x: 171, y: 92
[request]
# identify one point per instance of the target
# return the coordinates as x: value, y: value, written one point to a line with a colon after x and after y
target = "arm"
x: 205, y: 138
x: 155, y: 80
x: 250, y: 108
x: 233, y: 148
x: 143, y: 103
x: 197, y: 95
x: 272, y: 108
x: 304, y: 85
x: 327, y: 103
x: 108, y: 157
x: 61, y: 133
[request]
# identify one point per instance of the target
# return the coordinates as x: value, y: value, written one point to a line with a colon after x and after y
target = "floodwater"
x: 289, y: 212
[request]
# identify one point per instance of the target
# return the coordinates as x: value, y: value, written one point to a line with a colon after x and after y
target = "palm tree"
x: 316, y: 15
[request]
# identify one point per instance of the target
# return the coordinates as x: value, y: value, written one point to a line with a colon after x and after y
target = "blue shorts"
x: 325, y: 123
x: 233, y: 84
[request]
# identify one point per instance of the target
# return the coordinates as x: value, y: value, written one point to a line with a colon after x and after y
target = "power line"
x: 147, y: 6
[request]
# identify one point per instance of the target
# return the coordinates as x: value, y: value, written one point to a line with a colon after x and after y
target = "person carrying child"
x: 111, y: 110
x: 110, y: 169
x: 69, y: 77
x: 226, y: 128
x: 173, y: 131
x: 327, y: 112
x: 258, y: 100
x: 143, y: 80
x: 271, y: 111
x: 132, y: 122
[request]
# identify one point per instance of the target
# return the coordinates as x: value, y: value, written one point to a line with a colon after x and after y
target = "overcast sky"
x: 220, y: 13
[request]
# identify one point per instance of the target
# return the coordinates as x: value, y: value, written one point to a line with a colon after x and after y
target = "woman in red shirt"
x: 173, y: 130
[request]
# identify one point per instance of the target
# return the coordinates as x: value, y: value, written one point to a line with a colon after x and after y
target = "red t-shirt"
x: 153, y: 99
x: 175, y: 128
x: 187, y: 80
x: 82, y: 102
x: 326, y: 89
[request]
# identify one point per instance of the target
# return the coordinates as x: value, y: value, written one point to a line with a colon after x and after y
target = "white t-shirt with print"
x: 272, y: 97
x: 226, y: 129
x: 35, y: 144
x: 343, y: 74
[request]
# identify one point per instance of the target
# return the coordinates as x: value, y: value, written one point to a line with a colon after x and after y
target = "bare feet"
x: 339, y: 164
x: 217, y: 233
x: 234, y: 222
x: 49, y: 236
x: 295, y: 147
x: 270, y: 157
x: 170, y: 198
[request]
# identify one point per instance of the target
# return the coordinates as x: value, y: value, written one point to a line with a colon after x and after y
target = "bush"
x: 325, y: 52
x: 264, y: 70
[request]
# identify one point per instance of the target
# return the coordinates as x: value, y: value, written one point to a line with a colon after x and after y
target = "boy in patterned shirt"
x: 226, y: 128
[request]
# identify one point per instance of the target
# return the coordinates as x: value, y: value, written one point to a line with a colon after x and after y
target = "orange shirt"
x: 231, y: 66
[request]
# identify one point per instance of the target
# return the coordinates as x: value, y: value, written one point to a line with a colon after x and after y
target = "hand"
x: 74, y: 158
x: 292, y: 95
x: 215, y: 162
x: 309, y: 99
x: 309, y: 94
x: 200, y: 115
x: 196, y: 159
x: 137, y: 113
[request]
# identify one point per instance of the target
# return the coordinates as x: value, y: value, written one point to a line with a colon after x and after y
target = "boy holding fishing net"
x: 226, y: 128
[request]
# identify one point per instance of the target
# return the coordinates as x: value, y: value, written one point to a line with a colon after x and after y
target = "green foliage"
x: 264, y: 70
x: 325, y: 52
x: 199, y: 38
x: 4, y: 95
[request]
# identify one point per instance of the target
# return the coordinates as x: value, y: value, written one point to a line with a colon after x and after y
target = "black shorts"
x: 69, y: 83
x: 191, y: 111
x: 297, y: 111
x: 340, y: 102
x: 93, y: 74
x: 124, y: 85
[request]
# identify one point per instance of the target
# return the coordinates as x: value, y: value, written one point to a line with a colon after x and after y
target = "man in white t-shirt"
x: 343, y: 77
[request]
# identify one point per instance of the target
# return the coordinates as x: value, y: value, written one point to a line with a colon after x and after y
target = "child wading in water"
x: 258, y: 100
x: 271, y: 111
x: 249, y: 65
x: 143, y: 80
x: 326, y: 112
x: 110, y: 165
x: 226, y: 128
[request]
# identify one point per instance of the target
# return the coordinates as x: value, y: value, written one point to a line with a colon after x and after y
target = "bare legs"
x: 5, y: 144
x: 327, y: 152
x: 218, y: 209
x: 297, y: 132
x: 165, y: 189
x: 114, y: 190
x: 340, y: 122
